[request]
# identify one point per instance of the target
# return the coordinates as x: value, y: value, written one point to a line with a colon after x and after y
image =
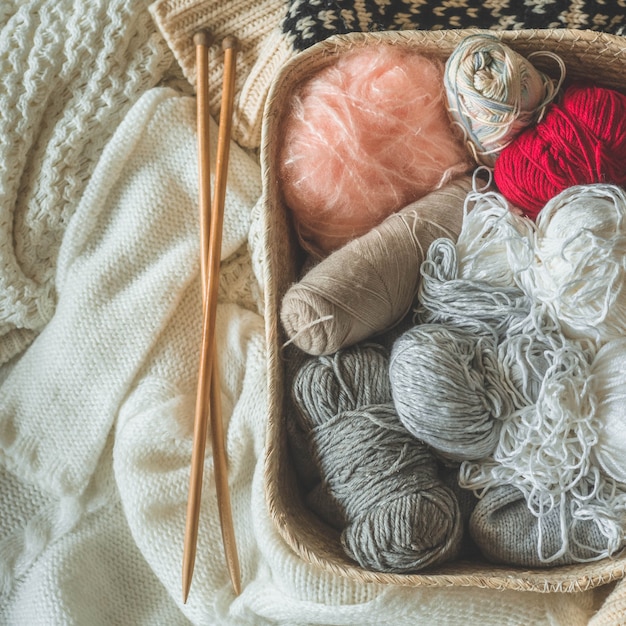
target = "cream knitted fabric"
x: 92, y: 576
x: 263, y: 49
x: 118, y: 268
x: 613, y: 609
x: 128, y: 261
x: 70, y: 71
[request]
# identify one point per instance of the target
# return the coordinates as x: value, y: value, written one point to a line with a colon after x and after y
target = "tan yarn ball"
x: 369, y: 284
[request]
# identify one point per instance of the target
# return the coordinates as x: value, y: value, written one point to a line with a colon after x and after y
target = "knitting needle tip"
x: 186, y: 585
x: 188, y: 564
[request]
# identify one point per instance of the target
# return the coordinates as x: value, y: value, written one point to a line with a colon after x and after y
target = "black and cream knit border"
x: 310, y: 21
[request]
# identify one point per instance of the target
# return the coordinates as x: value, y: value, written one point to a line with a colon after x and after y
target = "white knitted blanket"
x: 99, y: 340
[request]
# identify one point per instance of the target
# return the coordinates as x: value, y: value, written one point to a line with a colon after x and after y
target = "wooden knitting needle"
x: 202, y: 41
x: 229, y: 45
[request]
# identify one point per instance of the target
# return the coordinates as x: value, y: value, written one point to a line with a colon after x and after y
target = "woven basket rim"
x: 433, y: 40
x: 583, y: 46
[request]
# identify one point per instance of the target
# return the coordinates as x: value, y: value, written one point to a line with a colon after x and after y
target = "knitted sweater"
x: 99, y: 323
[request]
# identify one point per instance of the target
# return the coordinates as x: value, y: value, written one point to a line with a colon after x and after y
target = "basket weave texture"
x: 597, y: 56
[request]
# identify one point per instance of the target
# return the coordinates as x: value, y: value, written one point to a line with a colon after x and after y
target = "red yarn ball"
x: 581, y: 141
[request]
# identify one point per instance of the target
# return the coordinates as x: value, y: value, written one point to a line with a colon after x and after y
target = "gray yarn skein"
x: 449, y: 390
x: 455, y: 376
x: 525, y: 335
x: 398, y: 515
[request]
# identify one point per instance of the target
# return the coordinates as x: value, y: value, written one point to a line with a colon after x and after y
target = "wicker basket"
x: 598, y: 56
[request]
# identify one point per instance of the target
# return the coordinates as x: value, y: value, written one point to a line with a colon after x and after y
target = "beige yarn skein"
x: 369, y: 284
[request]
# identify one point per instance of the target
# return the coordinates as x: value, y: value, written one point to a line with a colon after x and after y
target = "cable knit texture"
x: 100, y: 315
x: 70, y: 73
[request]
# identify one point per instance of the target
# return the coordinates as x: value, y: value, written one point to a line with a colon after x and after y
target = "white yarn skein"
x: 580, y: 261
x: 495, y: 244
x: 547, y: 450
x: 608, y: 372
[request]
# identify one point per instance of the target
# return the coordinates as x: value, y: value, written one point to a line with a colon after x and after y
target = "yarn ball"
x: 363, y: 138
x: 507, y: 532
x: 369, y: 284
x: 579, y: 271
x: 397, y: 514
x: 608, y: 372
x: 581, y: 140
x: 493, y: 93
x: 446, y: 390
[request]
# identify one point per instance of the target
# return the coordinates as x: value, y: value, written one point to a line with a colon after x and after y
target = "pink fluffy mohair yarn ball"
x: 363, y: 138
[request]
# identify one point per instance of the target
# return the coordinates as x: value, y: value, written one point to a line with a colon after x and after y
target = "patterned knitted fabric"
x: 309, y: 21
x: 69, y: 72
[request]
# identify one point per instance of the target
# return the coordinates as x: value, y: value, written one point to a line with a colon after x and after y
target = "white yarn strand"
x: 495, y: 244
x: 547, y: 450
